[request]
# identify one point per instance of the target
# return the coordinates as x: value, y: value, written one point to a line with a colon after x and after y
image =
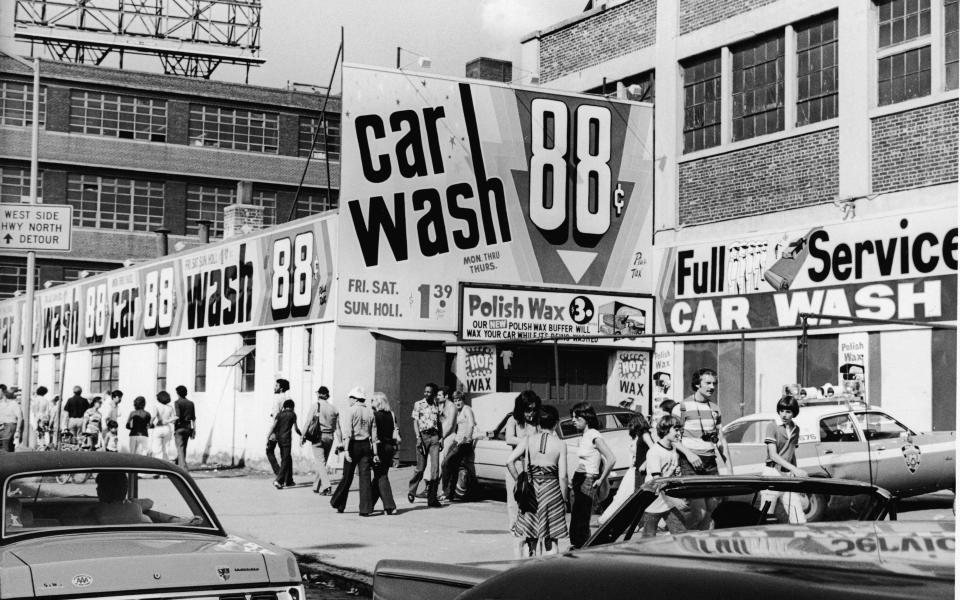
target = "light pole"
x: 27, y: 357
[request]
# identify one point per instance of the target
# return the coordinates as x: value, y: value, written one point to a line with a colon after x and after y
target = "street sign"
x: 44, y: 227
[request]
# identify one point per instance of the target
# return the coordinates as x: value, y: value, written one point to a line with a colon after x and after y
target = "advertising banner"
x: 490, y: 312
x: 662, y: 373
x: 632, y: 376
x: 445, y: 180
x: 277, y: 277
x: 884, y: 268
x: 852, y: 368
x: 477, y: 368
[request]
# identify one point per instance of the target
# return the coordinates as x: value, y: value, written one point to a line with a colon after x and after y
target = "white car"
x: 845, y: 439
x: 492, y: 449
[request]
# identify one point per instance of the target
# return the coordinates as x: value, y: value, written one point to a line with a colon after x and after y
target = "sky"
x: 299, y: 38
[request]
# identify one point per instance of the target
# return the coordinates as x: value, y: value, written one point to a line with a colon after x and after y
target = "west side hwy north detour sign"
x: 44, y: 227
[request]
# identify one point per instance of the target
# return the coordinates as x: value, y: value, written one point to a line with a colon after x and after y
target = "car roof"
x: 733, y: 485
x: 810, y: 411
x: 24, y: 462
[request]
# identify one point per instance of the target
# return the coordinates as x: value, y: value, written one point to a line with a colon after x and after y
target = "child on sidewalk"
x: 663, y: 461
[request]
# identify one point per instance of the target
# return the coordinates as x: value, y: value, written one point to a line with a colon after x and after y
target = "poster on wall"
x: 631, y: 372
x: 477, y: 368
x: 282, y: 275
x: 852, y: 363
x: 662, y: 373
x: 445, y: 180
x: 497, y: 313
x: 882, y: 268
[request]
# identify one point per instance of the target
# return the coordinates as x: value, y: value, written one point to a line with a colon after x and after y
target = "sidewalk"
x: 299, y: 520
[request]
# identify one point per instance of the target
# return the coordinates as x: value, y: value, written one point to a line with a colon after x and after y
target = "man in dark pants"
x: 186, y: 426
x: 280, y: 394
x: 427, y: 421
x: 75, y: 406
x: 359, y: 433
x: 283, y: 427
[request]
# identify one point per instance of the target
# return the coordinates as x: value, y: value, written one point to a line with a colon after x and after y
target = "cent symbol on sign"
x: 44, y: 227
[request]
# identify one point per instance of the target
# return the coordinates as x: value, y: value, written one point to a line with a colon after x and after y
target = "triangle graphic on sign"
x: 576, y: 262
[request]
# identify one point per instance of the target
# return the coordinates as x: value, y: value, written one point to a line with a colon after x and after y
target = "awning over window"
x: 238, y: 355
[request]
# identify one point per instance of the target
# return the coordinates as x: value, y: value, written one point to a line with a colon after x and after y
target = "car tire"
x: 815, y: 506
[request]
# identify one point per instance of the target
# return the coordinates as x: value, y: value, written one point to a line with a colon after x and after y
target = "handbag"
x: 523, y: 492
x: 312, y: 433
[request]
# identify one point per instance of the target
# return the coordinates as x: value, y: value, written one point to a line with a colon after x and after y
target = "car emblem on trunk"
x: 156, y: 576
x: 81, y: 580
x: 223, y: 573
x: 911, y: 456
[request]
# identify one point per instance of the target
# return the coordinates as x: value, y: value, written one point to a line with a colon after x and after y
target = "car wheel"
x: 814, y: 506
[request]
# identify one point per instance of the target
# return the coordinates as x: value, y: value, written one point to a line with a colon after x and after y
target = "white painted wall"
x: 776, y: 365
x: 905, y: 377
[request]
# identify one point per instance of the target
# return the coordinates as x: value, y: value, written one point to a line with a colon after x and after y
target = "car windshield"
x: 609, y: 421
x: 740, y: 503
x: 56, y: 500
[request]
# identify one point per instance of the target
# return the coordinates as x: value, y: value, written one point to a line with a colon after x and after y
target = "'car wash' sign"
x: 497, y: 313
x: 885, y: 268
x: 444, y: 180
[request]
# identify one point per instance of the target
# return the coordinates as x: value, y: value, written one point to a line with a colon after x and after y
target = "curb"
x: 313, y: 569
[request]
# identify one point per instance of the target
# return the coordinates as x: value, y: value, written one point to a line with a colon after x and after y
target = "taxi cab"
x: 847, y: 439
x: 103, y: 524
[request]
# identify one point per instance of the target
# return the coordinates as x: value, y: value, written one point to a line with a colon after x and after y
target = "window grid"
x: 207, y: 202
x: 104, y: 369
x: 328, y: 143
x: 904, y: 76
x: 316, y: 201
x: 116, y: 115
x: 903, y: 20
x: 308, y: 354
x: 817, y: 74
x: 279, y: 349
x: 758, y: 87
x: 950, y: 41
x: 234, y: 129
x: 16, y: 104
x: 15, y: 184
x: 161, y: 365
x: 701, y: 90
x: 13, y: 277
x: 115, y: 203
x: 56, y: 375
x: 249, y: 368
x: 268, y: 200
x: 200, y: 365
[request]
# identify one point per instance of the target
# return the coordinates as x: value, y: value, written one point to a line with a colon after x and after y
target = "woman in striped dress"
x: 548, y: 468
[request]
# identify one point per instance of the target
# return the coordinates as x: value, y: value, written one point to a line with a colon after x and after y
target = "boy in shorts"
x: 663, y: 461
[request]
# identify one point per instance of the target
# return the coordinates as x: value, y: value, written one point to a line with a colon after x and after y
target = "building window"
x: 328, y: 142
x: 950, y: 41
x: 904, y: 76
x: 116, y: 115
x: 35, y: 371
x: 15, y: 185
x: 206, y: 202
x: 200, y: 365
x: 279, y: 350
x: 234, y: 129
x: 903, y: 20
x: 56, y: 375
x: 268, y: 200
x: 16, y: 104
x: 701, y: 103
x: 248, y: 369
x: 13, y: 277
x: 104, y: 369
x: 316, y: 201
x: 758, y: 87
x: 817, y: 70
x: 161, y: 365
x: 639, y: 88
x: 308, y: 348
x: 115, y: 203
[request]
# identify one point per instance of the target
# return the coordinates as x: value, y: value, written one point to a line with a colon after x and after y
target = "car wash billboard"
x: 444, y: 180
x: 278, y: 277
x: 902, y: 267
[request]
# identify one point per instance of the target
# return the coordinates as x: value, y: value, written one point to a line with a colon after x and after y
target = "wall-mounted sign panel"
x: 43, y: 227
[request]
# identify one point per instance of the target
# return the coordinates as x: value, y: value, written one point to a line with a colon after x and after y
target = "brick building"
x: 136, y: 152
x: 821, y: 134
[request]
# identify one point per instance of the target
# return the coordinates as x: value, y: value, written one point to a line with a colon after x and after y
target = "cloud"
x: 511, y: 17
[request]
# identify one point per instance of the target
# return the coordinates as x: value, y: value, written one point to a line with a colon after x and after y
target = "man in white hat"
x: 359, y: 433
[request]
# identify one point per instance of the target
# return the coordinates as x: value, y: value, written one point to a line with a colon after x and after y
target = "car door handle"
x: 828, y: 451
x: 881, y: 447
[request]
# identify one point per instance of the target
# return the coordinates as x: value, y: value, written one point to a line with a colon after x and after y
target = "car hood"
x: 138, y: 561
x: 922, y: 548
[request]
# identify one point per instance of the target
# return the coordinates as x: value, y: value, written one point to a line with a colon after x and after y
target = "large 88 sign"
x: 293, y: 274
x: 553, y: 138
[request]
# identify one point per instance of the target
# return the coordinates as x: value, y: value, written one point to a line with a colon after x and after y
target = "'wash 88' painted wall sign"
x: 445, y: 180
x: 276, y: 277
x: 883, y: 268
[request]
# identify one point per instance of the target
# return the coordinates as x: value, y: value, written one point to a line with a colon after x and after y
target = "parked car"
x: 844, y: 439
x: 850, y: 560
x: 492, y: 450
x: 133, y: 527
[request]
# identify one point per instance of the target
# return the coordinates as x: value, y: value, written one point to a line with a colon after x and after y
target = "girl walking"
x: 592, y: 454
x: 388, y: 439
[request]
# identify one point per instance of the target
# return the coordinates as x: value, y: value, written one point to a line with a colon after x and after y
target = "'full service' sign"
x: 446, y: 180
x: 885, y: 268
x: 496, y: 313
